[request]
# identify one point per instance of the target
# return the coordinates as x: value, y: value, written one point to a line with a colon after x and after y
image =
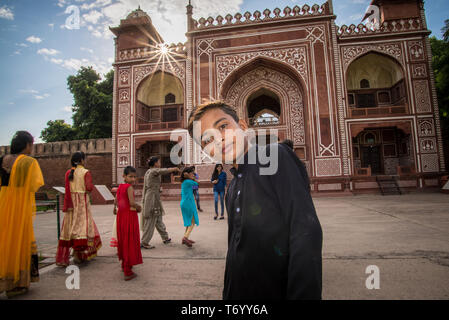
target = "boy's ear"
x: 243, y: 125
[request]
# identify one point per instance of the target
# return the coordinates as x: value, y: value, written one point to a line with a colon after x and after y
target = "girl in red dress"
x: 128, y: 235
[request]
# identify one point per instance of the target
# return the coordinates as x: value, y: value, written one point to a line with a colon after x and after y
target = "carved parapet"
x: 394, y: 26
x: 265, y: 16
x: 92, y: 146
x: 151, y: 51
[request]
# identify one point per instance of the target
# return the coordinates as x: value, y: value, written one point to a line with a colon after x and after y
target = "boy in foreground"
x: 274, y: 236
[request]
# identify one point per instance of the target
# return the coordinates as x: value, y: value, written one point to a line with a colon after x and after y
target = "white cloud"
x: 22, y: 45
x: 95, y: 4
x: 93, y: 16
x: 34, y: 39
x: 62, y: 3
x: 40, y: 97
x: 168, y: 17
x: 73, y: 64
x: 32, y: 91
x: 51, y: 25
x: 67, y: 109
x: 6, y: 13
x: 35, y: 93
x: 357, y: 17
x: 48, y: 52
x: 87, y: 50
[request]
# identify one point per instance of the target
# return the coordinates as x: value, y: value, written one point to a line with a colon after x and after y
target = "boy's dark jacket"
x: 275, y: 237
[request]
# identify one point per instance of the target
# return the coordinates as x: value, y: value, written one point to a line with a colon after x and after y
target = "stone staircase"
x: 388, y: 185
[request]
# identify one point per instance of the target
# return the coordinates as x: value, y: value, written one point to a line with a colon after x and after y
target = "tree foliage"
x: 440, y: 65
x: 57, y: 130
x: 92, y: 108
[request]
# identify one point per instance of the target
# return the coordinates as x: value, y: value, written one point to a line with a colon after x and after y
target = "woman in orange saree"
x: 78, y: 229
x: 21, y: 177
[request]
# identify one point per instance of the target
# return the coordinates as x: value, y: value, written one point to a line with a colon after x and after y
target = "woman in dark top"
x: 219, y: 181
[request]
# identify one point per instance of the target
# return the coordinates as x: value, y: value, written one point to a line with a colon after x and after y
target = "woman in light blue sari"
x: 188, y: 206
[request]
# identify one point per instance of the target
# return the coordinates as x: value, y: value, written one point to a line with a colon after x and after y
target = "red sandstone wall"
x: 54, y: 169
x: 54, y: 160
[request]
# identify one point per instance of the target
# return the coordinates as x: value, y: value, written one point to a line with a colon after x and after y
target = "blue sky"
x: 38, y: 52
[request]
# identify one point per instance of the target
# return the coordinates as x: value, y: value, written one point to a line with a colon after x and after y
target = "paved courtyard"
x: 406, y: 237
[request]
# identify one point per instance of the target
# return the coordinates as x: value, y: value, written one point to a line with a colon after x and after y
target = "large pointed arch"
x: 275, y: 80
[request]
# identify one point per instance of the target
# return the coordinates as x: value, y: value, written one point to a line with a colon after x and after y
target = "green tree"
x: 92, y: 117
x: 57, y: 130
x: 440, y: 65
x: 92, y: 108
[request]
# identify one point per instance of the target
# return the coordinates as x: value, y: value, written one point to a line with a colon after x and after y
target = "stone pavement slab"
x: 406, y: 236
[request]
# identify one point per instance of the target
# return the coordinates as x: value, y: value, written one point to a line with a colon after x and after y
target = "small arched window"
x: 364, y: 83
x: 370, y: 138
x: 170, y: 98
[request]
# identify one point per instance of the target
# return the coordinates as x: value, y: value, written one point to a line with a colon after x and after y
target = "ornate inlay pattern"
x: 353, y: 52
x: 422, y: 97
x: 123, y: 145
x: 419, y: 70
x: 124, y: 117
x: 429, y: 162
x: 177, y: 69
x: 295, y: 57
x: 328, y: 167
x: 124, y: 77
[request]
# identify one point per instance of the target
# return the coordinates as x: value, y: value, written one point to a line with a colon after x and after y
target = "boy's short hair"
x: 288, y: 143
x: 129, y: 169
x: 200, y: 110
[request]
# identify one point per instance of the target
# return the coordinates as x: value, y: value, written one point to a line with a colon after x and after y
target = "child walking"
x: 128, y: 236
x: 188, y: 207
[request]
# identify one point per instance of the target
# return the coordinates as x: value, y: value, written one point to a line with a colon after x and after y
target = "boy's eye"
x: 208, y: 140
x: 223, y: 126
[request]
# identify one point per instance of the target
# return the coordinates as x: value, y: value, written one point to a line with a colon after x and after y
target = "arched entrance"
x: 267, y: 97
x: 375, y: 85
x: 159, y: 102
x: 149, y: 149
x: 383, y: 151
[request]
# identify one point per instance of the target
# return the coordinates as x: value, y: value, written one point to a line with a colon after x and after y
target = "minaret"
x: 189, y: 17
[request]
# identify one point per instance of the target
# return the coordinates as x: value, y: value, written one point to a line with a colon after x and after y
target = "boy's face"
x: 130, y: 177
x: 221, y: 137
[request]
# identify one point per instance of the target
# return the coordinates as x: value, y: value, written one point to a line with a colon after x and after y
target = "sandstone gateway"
x: 358, y: 102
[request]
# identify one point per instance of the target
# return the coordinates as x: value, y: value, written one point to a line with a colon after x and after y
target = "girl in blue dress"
x: 188, y: 206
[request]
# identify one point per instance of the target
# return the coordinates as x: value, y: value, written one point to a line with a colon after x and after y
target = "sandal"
x: 221, y: 218
x: 216, y: 216
x: 167, y: 241
x: 147, y: 246
x: 16, y: 292
x: 127, y: 278
x: 186, y: 242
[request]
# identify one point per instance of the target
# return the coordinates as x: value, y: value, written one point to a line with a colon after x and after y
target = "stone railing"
x: 177, y: 49
x: 402, y: 25
x: 92, y: 146
x: 265, y: 16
